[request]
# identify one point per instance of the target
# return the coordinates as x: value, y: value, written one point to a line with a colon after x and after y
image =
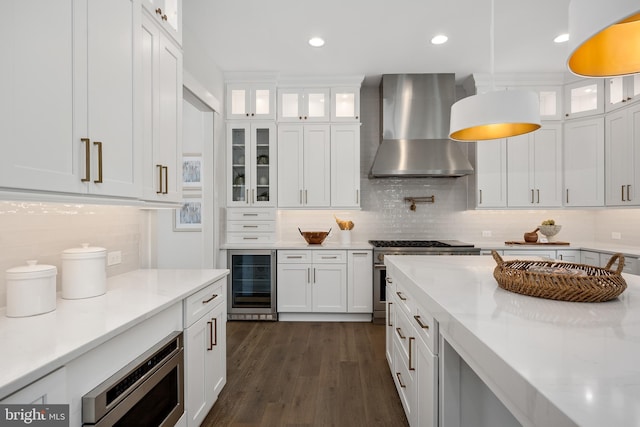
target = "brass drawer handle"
x: 401, y: 296
x: 87, y: 160
x: 214, y: 296
x: 159, y: 179
x: 389, y: 314
x: 210, y: 324
x: 400, y: 380
x: 422, y: 325
x: 166, y: 179
x: 399, y: 332
x: 99, y: 144
x: 411, y: 368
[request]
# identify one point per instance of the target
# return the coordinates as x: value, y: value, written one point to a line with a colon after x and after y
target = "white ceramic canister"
x: 84, y: 272
x: 31, y: 289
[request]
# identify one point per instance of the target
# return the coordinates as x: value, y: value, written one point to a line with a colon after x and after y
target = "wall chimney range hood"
x: 415, y: 127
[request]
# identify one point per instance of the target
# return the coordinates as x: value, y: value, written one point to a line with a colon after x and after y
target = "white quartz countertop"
x: 301, y: 244
x: 552, y: 363
x: 33, y: 346
x: 586, y: 246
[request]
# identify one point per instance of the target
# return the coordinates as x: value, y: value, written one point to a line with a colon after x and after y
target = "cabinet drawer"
x: 426, y: 328
x: 251, y: 237
x: 329, y: 257
x: 403, y: 299
x: 251, y: 226
x: 403, y: 333
x: 241, y: 214
x: 404, y: 380
x: 199, y: 303
x: 294, y: 257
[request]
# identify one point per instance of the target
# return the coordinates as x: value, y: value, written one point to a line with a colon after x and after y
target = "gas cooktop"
x: 419, y: 244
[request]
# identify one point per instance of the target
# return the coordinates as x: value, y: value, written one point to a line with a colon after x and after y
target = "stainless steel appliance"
x: 381, y: 248
x: 148, y: 392
x: 252, y: 285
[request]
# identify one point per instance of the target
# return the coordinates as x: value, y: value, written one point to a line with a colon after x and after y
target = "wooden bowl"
x: 314, y: 237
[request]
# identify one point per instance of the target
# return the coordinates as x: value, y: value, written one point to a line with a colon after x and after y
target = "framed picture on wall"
x: 189, y: 216
x: 192, y: 171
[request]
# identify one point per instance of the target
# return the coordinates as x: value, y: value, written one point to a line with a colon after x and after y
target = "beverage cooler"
x: 252, y: 285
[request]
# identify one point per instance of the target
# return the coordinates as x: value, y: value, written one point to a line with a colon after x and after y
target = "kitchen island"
x: 550, y: 363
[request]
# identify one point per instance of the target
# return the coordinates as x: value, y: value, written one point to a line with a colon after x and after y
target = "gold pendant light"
x: 604, y: 37
x: 495, y: 114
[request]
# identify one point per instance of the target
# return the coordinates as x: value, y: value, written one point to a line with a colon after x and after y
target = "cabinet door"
x: 199, y: 373
x: 239, y: 159
x: 303, y: 105
x: 491, y: 173
x: 584, y: 162
x: 329, y: 288
x: 568, y: 255
x: 590, y: 258
x: 36, y: 82
x: 263, y: 165
x: 619, y: 154
x: 294, y: 288
x: 520, y: 191
x: 390, y: 322
x: 317, y: 166
x: 50, y: 389
x: 584, y: 98
x: 345, y: 166
x: 168, y: 14
x: 291, y: 161
x: 621, y: 91
x: 426, y: 369
x: 547, y: 165
x: 360, y: 282
x: 345, y: 104
x: 250, y: 101
x: 316, y: 105
x: 218, y: 324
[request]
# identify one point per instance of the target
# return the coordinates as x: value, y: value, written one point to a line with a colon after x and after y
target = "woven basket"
x: 574, y: 282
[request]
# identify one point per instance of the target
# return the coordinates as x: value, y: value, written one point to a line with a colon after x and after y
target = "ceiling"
x: 374, y: 37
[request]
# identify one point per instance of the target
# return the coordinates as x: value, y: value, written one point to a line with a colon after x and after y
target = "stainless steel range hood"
x: 415, y: 127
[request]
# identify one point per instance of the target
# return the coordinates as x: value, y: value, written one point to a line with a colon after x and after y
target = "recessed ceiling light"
x: 316, y: 41
x: 562, y: 38
x: 439, y: 39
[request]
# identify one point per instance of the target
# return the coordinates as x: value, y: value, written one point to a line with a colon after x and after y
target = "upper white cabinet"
x: 584, y: 162
x: 251, y: 101
x: 79, y: 138
x: 345, y: 166
x: 304, y: 156
x: 252, y: 171
x: 550, y: 98
x: 622, y: 154
x: 161, y: 84
x: 621, y: 91
x: 303, y: 104
x: 491, y: 173
x: 168, y: 13
x: 345, y: 104
x: 534, y: 168
x: 584, y: 98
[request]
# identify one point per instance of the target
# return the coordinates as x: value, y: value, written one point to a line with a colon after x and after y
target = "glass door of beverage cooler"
x: 252, y: 285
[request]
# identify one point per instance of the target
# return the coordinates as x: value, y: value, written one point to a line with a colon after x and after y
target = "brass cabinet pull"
x: 314, y: 275
x: 249, y: 214
x: 389, y: 314
x: 401, y: 296
x: 166, y: 179
x: 411, y: 368
x: 532, y: 195
x: 538, y: 194
x: 87, y: 160
x: 309, y: 275
x: 99, y: 144
x: 360, y: 253
x: 164, y: 17
x: 357, y: 196
x: 329, y: 257
x: 622, y: 192
x: 419, y: 320
x: 628, y: 193
x: 300, y: 196
x: 388, y: 279
x: 400, y: 380
x: 253, y: 195
x: 215, y: 332
x: 480, y: 202
x: 159, y: 179
x: 249, y: 238
x: 210, y: 324
x: 249, y: 226
x: 159, y: 11
x: 399, y: 332
x: 306, y: 198
x: 214, y: 296
x: 294, y: 256
x: 246, y: 196
x: 567, y: 195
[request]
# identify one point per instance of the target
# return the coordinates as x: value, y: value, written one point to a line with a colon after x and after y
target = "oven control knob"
x: 380, y: 257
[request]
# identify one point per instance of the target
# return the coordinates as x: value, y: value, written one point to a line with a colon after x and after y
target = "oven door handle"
x: 379, y: 266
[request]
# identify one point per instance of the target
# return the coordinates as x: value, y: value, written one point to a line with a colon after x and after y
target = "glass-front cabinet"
x: 345, y: 104
x: 169, y: 14
x: 251, y: 101
x: 621, y: 91
x: 251, y: 159
x: 303, y: 105
x: 584, y: 98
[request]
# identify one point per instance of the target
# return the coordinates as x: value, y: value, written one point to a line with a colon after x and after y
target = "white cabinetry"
x: 584, y: 162
x: 345, y: 104
x: 568, y: 256
x: 312, y: 281
x: 168, y: 14
x: 304, y: 156
x: 529, y: 253
x: 491, y: 173
x: 84, y: 132
x: 584, y: 98
x: 621, y: 91
x: 360, y: 282
x: 50, y: 389
x: 162, y: 114
x: 251, y: 225
x: 345, y: 166
x: 534, y: 168
x: 251, y: 101
x: 622, y: 154
x: 590, y: 258
x: 303, y: 104
x: 250, y: 155
x: 205, y: 349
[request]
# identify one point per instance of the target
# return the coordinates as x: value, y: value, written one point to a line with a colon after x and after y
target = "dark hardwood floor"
x: 306, y: 374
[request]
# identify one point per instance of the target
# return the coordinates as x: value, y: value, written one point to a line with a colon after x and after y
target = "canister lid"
x: 32, y: 270
x: 85, y: 251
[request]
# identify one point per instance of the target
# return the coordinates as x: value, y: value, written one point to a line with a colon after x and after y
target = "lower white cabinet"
x: 360, y: 282
x: 205, y: 350
x: 568, y: 255
x: 50, y: 389
x: 312, y: 281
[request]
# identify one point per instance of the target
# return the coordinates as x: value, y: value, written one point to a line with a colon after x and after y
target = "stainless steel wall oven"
x: 252, y: 285
x: 148, y: 392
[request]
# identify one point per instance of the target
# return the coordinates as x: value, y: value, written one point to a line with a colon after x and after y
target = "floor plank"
x: 306, y: 374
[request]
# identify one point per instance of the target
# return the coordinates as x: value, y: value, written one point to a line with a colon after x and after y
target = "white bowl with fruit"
x: 549, y: 228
